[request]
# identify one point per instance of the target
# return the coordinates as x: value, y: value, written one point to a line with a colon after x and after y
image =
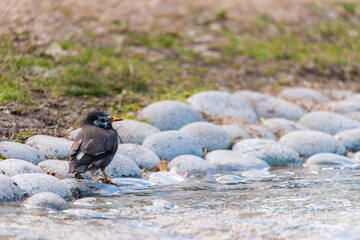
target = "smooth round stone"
x: 21, y: 151
x: 51, y: 147
x: 170, y: 115
x: 354, y: 115
x: 12, y: 167
x: 82, y: 213
x: 345, y: 106
x: 134, y: 183
x: 350, y: 139
x: 338, y: 94
x: 122, y: 166
x: 210, y: 136
x: 281, y: 126
x: 170, y: 144
x: 84, y: 188
x: 270, y: 151
x: 132, y: 131
x: 59, y: 169
x: 9, y: 190
x: 230, y: 180
x: 308, y: 143
x: 236, y: 132
x: 33, y: 183
x: 190, y: 164
x: 323, y: 160
x: 328, y: 122
x: 260, y: 132
x: 220, y: 104
x: 165, y: 178
x: 46, y: 200
x: 227, y: 160
x: 142, y: 156
x: 270, y: 107
x: 257, y: 175
x: 160, y: 205
x: 72, y: 135
x: 307, y: 97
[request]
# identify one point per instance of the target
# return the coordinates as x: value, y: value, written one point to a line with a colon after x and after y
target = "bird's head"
x: 100, y: 119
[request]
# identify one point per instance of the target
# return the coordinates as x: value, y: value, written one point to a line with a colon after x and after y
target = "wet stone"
x: 345, y: 106
x: 85, y: 188
x: 269, y: 151
x: 21, y: 151
x: 12, y: 167
x: 160, y: 205
x: 82, y: 213
x: 305, y: 97
x: 122, y: 166
x: 46, y: 200
x: 227, y: 160
x: 59, y: 169
x: 9, y: 191
x: 282, y: 126
x: 51, y: 147
x: 356, y: 157
x: 133, y: 183
x: 165, y: 178
x: 210, y: 136
x: 257, y: 175
x: 308, y: 143
x: 132, y: 131
x: 328, y: 122
x: 323, y: 160
x: 236, y: 132
x: 220, y: 104
x: 33, y: 183
x: 170, y: 115
x: 190, y: 164
x: 260, y: 132
x: 170, y: 144
x: 270, y: 107
x: 350, y: 139
x: 230, y: 180
x: 142, y: 156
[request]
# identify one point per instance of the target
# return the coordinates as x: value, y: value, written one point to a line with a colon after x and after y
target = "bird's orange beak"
x: 117, y: 119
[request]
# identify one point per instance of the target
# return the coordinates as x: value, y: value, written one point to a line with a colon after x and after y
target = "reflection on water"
x: 292, y: 204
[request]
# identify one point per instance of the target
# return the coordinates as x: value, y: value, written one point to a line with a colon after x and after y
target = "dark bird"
x: 95, y: 146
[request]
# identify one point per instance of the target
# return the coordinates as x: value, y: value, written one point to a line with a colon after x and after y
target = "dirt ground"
x: 43, y: 22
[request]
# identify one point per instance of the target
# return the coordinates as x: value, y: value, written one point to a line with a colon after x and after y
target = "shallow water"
x: 292, y: 203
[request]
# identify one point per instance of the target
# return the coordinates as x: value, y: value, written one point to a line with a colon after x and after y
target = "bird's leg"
x: 78, y: 175
x: 107, y: 178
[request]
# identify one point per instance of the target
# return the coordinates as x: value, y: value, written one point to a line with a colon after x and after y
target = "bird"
x: 95, y: 146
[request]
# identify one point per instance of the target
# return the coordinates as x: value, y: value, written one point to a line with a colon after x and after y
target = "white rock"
x: 281, y: 126
x: 338, y: 94
x: 270, y: 107
x: 260, y: 132
x: 170, y: 144
x: 122, y: 166
x: 142, y: 156
x: 350, y: 139
x: 84, y: 188
x: 132, y: 131
x: 133, y: 183
x: 236, y: 132
x: 21, y: 151
x: 306, y: 97
x: 325, y: 160
x: 308, y: 143
x: 9, y: 191
x: 345, y: 106
x: 51, y: 147
x: 72, y: 135
x: 190, y: 164
x: 209, y: 135
x: 33, y: 183
x: 230, y: 179
x: 170, y: 115
x: 165, y: 178
x: 59, y: 169
x: 226, y: 160
x: 328, y: 122
x: 219, y: 104
x: 12, y: 167
x: 269, y: 151
x: 46, y: 200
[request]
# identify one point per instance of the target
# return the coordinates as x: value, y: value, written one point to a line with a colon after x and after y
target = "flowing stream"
x: 288, y: 203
